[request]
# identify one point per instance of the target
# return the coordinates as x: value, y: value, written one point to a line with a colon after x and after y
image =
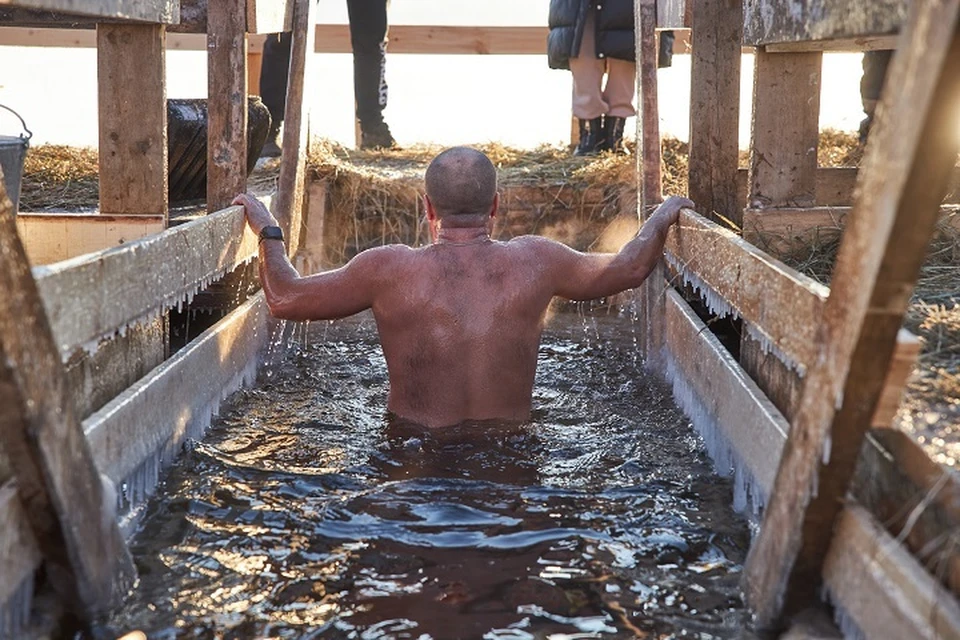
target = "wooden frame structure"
x: 773, y: 429
x: 817, y: 367
x: 50, y: 504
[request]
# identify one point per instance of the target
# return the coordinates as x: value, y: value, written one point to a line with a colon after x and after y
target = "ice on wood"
x: 15, y: 612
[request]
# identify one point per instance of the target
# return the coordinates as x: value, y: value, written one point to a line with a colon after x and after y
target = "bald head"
x: 461, y: 182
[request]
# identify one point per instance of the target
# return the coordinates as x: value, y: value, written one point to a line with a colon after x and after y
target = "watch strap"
x: 271, y: 233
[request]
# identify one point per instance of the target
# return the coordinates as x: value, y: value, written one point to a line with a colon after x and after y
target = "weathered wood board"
x: 132, y: 107
x: 903, y: 179
x: 52, y: 237
x: 152, y: 418
x: 715, y: 107
x: 93, y: 296
x: 161, y: 11
x: 774, y: 21
x: 19, y: 555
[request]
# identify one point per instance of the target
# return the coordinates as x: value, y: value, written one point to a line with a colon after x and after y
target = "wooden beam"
x: 866, y: 567
x: 151, y: 420
x: 672, y: 14
x: 785, y: 131
x: 905, y: 175
x: 296, y: 127
x: 132, y: 101
x: 715, y: 107
x: 649, y: 143
x: 19, y: 556
x: 773, y: 21
x: 917, y: 499
x: 749, y: 423
x: 269, y: 16
x: 444, y: 39
x: 160, y: 11
x: 881, y: 588
x: 94, y: 296
x: 70, y: 514
x: 226, y: 102
x: 865, y: 43
x: 52, y: 237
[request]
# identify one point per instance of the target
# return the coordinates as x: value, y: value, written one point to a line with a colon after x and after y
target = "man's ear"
x: 431, y: 212
x: 496, y: 205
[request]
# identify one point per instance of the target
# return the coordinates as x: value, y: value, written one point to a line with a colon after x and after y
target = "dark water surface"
x: 305, y: 514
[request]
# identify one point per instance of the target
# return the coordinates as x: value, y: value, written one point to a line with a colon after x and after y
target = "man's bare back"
x: 459, y: 320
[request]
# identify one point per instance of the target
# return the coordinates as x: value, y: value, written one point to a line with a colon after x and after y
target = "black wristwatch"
x: 271, y: 233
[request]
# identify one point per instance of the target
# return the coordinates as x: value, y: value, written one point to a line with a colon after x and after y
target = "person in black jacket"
x: 368, y: 38
x: 590, y: 37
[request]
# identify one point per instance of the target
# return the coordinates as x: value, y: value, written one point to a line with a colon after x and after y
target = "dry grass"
x: 57, y: 177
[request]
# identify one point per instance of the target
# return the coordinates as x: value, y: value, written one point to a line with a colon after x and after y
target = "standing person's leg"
x: 588, y: 103
x: 273, y: 86
x: 618, y: 94
x: 368, y: 37
x: 875, y: 65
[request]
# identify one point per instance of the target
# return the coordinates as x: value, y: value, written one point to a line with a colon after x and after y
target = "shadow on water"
x: 305, y: 513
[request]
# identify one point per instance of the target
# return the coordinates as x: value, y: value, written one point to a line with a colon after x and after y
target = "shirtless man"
x: 459, y: 320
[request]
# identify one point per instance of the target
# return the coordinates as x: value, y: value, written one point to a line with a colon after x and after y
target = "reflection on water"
x: 306, y: 514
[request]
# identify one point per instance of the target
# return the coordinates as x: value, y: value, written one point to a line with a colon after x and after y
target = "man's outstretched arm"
x: 325, y: 296
x: 587, y: 276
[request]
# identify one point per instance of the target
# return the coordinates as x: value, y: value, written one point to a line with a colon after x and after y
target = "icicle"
x: 748, y: 498
x: 15, y: 612
x: 717, y: 305
x: 768, y: 346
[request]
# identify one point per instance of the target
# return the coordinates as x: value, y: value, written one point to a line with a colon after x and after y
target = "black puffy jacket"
x: 613, y: 22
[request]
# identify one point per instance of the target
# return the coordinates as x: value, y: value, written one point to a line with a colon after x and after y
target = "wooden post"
x: 903, y: 178
x: 132, y: 102
x: 254, y: 67
x: 652, y: 292
x: 649, y: 146
x: 783, y: 173
x: 785, y: 129
x: 291, y: 184
x: 226, y: 102
x: 715, y: 106
x: 71, y: 515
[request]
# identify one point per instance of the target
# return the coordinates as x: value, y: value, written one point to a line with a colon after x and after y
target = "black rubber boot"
x: 591, y: 137
x: 271, y: 148
x: 613, y: 134
x: 376, y: 136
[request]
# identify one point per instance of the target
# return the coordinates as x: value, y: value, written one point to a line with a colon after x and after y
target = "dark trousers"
x: 368, y: 38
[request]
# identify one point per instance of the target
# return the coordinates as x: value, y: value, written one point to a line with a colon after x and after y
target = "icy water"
x: 305, y: 513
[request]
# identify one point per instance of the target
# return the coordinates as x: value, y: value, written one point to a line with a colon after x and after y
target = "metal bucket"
x: 13, y: 151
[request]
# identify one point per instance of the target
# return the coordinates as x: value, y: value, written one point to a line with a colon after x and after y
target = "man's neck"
x: 463, y: 235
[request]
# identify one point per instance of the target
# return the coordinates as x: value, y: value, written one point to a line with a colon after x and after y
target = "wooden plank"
x: 269, y: 16
x: 715, y: 107
x: 671, y: 14
x: 150, y: 420
x: 865, y: 43
x: 160, y: 11
x: 254, y: 67
x: 93, y: 296
x: 881, y: 588
x: 785, y: 305
x: 52, y: 237
x: 772, y: 21
x: 70, y: 514
x: 649, y: 116
x: 783, y: 232
x: 784, y: 132
x: 753, y: 427
x: 227, y: 102
x: 917, y: 499
x: 859, y: 575
x: 19, y: 556
x: 444, y: 39
x: 834, y: 186
x: 296, y: 128
x: 905, y: 175
x: 132, y: 101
